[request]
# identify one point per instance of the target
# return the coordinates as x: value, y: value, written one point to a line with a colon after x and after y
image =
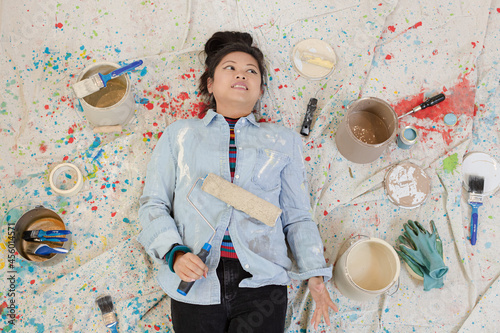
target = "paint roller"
x: 239, y: 199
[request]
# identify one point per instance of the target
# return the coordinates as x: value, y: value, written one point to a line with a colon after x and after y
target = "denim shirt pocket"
x: 267, y: 170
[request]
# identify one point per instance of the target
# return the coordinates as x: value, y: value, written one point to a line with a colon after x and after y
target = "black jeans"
x: 242, y: 310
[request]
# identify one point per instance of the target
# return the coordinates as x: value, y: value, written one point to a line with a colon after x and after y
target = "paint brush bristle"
x: 105, y: 303
x: 476, y: 188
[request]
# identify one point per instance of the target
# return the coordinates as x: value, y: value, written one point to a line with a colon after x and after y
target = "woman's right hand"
x: 189, y: 267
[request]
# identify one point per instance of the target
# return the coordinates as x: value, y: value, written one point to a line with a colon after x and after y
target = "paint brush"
x: 430, y: 102
x: 97, y: 81
x: 43, y: 249
x: 476, y: 188
x: 105, y: 304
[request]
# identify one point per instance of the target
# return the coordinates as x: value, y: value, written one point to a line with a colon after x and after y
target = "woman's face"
x: 236, y: 84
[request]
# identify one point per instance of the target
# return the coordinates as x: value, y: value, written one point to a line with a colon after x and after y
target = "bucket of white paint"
x: 369, y: 125
x: 367, y: 269
x: 111, y: 105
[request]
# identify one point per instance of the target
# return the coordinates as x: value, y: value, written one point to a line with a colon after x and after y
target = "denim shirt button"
x: 247, y: 266
x: 237, y: 176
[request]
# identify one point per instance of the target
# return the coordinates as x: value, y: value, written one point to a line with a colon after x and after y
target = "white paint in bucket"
x: 367, y: 269
x: 112, y: 105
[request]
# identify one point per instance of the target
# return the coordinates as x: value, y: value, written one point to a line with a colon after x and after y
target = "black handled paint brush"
x: 105, y: 303
x: 476, y: 188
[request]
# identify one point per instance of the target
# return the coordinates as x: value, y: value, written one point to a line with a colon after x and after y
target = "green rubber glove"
x: 423, y: 252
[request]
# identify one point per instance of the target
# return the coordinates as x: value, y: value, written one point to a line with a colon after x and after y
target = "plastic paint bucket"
x: 369, y: 125
x: 112, y: 105
x: 367, y: 269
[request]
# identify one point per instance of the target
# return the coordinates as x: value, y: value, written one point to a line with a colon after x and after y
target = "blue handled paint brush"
x: 43, y: 249
x: 476, y: 188
x: 105, y: 304
x: 99, y: 81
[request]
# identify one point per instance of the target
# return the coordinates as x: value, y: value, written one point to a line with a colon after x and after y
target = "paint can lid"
x: 482, y: 165
x: 313, y: 58
x: 407, y: 185
x: 450, y: 119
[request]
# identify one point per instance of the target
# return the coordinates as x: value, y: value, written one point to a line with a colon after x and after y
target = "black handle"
x: 432, y: 101
x: 184, y: 287
x: 306, y: 125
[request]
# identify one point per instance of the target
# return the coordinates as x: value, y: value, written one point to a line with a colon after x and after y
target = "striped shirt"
x: 227, y: 249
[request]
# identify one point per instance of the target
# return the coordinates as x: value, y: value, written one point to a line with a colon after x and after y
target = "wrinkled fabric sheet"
x: 400, y: 51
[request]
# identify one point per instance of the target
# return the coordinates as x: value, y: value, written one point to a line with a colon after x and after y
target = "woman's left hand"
x: 323, y: 301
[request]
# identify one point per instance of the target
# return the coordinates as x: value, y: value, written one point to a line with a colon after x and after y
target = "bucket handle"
x: 396, y: 289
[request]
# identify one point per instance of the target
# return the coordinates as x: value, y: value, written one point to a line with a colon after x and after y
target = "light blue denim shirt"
x: 269, y: 164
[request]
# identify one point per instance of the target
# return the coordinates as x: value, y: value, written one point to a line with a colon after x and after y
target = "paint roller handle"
x: 473, y: 226
x: 432, y: 101
x: 184, y: 286
x: 306, y: 125
x: 126, y: 68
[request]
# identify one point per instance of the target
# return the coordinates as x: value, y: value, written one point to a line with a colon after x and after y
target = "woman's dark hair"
x: 217, y: 47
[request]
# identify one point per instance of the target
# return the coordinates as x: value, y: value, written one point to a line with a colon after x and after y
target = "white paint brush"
x: 97, y: 81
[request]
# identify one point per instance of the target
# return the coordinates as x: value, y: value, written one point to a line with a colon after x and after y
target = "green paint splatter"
x: 450, y: 163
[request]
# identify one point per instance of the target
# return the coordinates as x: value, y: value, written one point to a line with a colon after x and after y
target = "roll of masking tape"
x: 66, y: 179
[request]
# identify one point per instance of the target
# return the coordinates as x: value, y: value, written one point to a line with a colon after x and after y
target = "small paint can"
x: 407, y: 137
x: 368, y: 268
x: 111, y: 105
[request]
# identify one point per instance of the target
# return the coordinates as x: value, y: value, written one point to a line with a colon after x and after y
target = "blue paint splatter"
x: 144, y: 71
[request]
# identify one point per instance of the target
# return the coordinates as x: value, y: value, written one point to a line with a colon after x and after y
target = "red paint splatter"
x: 149, y: 106
x: 388, y: 57
x: 308, y: 158
x: 183, y: 96
x: 32, y: 281
x: 70, y: 130
x: 157, y: 327
x: 415, y: 26
x: 71, y: 140
x: 43, y: 147
x: 150, y: 134
x: 276, y: 69
x: 46, y: 107
x: 94, y: 208
x: 159, y: 135
x: 498, y: 10
x: 391, y: 28
x: 280, y: 86
x: 435, y: 52
x: 459, y: 100
x: 473, y: 45
x: 325, y: 213
x: 162, y: 87
x: 113, y: 214
x: 59, y: 25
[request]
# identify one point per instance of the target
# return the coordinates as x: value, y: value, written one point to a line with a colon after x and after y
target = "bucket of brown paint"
x: 369, y: 125
x: 111, y: 105
x: 368, y: 268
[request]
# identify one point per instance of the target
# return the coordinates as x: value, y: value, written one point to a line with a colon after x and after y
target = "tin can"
x: 407, y: 137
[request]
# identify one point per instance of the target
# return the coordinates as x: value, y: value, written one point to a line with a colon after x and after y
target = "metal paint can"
x: 112, y: 105
x: 368, y: 127
x: 407, y: 137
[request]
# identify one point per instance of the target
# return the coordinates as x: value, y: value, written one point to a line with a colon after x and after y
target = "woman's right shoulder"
x: 182, y: 124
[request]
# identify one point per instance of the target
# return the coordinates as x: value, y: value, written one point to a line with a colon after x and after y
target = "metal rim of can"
x: 404, y: 139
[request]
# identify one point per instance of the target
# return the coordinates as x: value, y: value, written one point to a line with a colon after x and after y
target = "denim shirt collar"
x: 211, y: 114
